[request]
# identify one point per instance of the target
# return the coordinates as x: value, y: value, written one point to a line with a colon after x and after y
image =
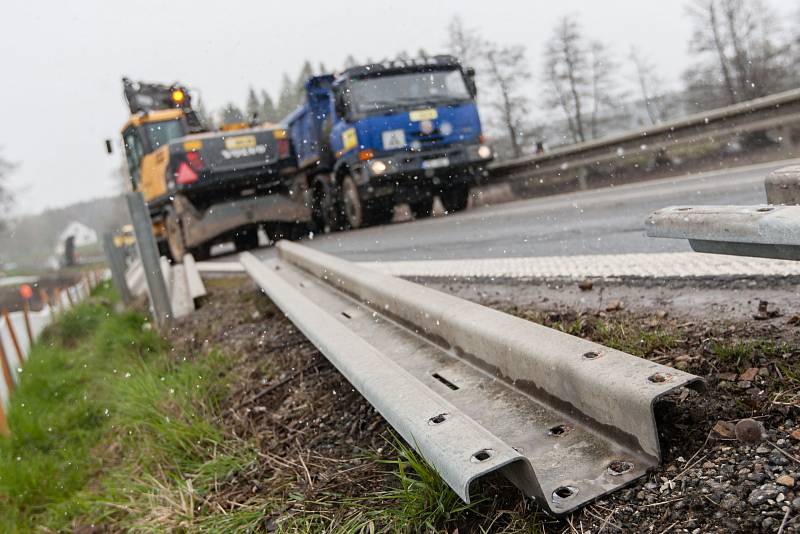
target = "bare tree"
x: 6, y: 198
x: 464, y: 43
x: 649, y: 83
x: 507, y: 71
x: 580, y: 79
x: 742, y: 52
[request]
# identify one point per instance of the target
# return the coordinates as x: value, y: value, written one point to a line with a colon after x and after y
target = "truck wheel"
x: 360, y: 214
x: 352, y: 206
x: 163, y: 248
x: 286, y: 230
x: 455, y: 199
x: 326, y: 212
x: 423, y: 208
x: 245, y: 239
x: 201, y: 252
x: 175, y: 242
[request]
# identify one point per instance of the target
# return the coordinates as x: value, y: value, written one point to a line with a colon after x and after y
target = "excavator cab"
x: 146, y: 138
x: 159, y: 114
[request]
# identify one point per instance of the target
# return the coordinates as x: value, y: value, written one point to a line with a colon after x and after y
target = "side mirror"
x: 109, y: 146
x: 470, y: 77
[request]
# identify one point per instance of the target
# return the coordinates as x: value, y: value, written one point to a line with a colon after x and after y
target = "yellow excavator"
x: 205, y: 187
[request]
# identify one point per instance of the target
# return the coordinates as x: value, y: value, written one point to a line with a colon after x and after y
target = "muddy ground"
x: 322, y: 444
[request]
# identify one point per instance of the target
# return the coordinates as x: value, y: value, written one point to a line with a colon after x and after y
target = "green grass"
x: 108, y: 425
x: 643, y: 342
x: 111, y: 427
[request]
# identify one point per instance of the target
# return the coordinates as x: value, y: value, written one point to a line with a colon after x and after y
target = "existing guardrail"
x: 19, y: 331
x: 574, y: 162
x: 475, y: 390
x: 170, y: 289
x: 768, y: 231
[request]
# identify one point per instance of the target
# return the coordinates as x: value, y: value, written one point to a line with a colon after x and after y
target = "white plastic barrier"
x: 38, y: 321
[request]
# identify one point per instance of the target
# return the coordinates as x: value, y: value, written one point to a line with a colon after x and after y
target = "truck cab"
x: 382, y: 134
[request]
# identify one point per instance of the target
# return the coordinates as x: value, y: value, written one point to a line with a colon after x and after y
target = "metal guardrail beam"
x: 763, y: 231
x: 562, y: 163
x: 475, y: 390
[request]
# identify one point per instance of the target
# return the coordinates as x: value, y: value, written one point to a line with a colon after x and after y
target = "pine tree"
x: 231, y: 114
x: 268, y: 113
x: 306, y: 72
x: 205, y: 119
x: 253, y: 106
x: 286, y: 97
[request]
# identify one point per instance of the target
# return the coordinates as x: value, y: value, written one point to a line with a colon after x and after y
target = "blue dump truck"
x: 387, y: 133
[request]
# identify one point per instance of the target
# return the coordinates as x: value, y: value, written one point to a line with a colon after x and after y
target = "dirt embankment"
x: 323, y: 445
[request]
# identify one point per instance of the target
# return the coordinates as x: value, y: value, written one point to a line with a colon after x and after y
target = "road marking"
x: 660, y: 265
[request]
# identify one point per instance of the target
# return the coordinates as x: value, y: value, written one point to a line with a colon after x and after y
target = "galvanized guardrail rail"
x: 171, y: 289
x: 569, y: 163
x: 769, y: 231
x: 475, y: 390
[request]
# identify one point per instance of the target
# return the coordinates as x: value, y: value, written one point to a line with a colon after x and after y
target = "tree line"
x: 739, y: 53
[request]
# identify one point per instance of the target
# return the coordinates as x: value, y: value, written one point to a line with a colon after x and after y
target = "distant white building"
x: 82, y: 234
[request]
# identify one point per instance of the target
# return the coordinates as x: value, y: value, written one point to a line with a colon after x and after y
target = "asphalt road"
x: 599, y: 221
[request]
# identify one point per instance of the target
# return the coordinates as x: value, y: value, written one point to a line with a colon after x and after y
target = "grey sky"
x: 61, y: 62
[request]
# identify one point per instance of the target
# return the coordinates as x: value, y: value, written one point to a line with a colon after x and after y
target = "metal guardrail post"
x: 783, y: 186
x: 148, y: 253
x: 117, y: 265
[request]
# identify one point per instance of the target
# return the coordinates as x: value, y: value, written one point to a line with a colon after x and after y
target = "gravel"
x: 731, y: 454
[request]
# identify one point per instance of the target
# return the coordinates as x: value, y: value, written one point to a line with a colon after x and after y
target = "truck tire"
x: 352, y: 205
x: 455, y: 199
x: 326, y: 211
x: 360, y: 214
x: 286, y: 230
x: 423, y: 208
x: 201, y: 252
x: 175, y: 241
x: 245, y: 239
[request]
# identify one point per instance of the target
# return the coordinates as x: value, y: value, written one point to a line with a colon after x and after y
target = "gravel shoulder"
x: 328, y: 458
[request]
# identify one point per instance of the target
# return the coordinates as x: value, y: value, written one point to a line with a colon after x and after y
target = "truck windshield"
x: 383, y: 93
x: 161, y: 133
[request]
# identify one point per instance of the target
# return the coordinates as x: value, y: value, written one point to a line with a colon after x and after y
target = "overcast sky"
x: 61, y: 62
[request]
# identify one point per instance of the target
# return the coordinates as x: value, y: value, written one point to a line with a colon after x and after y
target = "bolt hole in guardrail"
x: 659, y: 378
x: 482, y: 455
x: 445, y: 381
x: 437, y: 419
x: 347, y: 315
x: 559, y: 430
x: 619, y: 467
x: 591, y: 355
x: 564, y: 492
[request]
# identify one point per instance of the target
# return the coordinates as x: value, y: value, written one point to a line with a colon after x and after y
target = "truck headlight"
x: 378, y: 167
x: 484, y: 152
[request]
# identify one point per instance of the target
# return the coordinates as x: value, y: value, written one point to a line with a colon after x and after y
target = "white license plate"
x: 435, y: 163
